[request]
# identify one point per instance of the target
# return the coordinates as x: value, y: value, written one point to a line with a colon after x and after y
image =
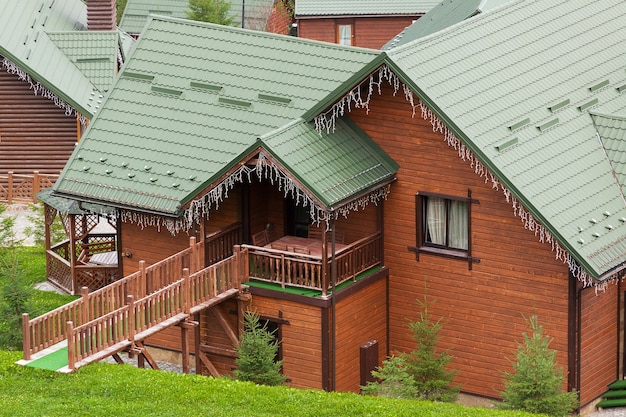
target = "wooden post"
x: 324, y: 266
x: 184, y: 330
x: 197, y: 334
x: 238, y: 266
x: 73, y: 261
x: 36, y: 185
x: 84, y: 293
x: 186, y: 291
x: 245, y: 262
x: 193, y: 257
x: 71, y: 354
x: 10, y: 189
x: 142, y: 287
x: 26, y: 336
x: 131, y: 318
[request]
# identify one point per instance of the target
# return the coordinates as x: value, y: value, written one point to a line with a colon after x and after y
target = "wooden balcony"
x: 313, y: 270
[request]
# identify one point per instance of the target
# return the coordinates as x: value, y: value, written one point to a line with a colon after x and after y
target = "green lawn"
x: 114, y: 390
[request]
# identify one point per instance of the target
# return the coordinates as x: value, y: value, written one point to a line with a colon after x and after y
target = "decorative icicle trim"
x: 39, y: 89
x: 326, y: 122
x: 264, y: 169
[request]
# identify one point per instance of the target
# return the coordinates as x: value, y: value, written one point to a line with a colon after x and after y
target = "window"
x: 344, y: 34
x: 443, y: 225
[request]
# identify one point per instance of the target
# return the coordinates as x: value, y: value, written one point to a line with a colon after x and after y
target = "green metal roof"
x: 48, y: 41
x: 255, y: 12
x: 68, y: 206
x: 362, y: 7
x: 93, y: 52
x: 612, y: 132
x: 335, y: 166
x: 516, y: 85
x: 192, y: 101
x: 136, y: 12
x: 444, y: 14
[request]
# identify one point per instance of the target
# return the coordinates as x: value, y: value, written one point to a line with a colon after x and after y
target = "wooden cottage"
x: 361, y: 23
x: 44, y: 108
x: 477, y: 167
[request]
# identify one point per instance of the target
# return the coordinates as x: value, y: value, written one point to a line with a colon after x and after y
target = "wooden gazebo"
x: 89, y: 255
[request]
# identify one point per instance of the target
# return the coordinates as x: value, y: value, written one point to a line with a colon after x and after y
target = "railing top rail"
x: 168, y: 259
x: 223, y: 230
x: 102, y: 318
x: 72, y: 304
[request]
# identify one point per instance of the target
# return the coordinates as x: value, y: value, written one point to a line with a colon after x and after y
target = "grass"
x: 113, y: 390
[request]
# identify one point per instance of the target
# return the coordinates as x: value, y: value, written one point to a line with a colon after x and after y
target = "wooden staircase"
x: 615, y: 396
x: 123, y: 314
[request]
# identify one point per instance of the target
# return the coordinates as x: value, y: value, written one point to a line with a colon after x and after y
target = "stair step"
x: 618, y: 385
x: 615, y: 394
x: 620, y: 402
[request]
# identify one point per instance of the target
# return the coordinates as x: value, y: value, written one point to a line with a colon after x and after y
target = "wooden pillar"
x: 71, y: 355
x: 73, y: 259
x: 26, y: 336
x: 196, y: 331
x: 184, y: 331
x: 36, y: 186
x: 10, y: 188
x: 131, y: 318
x: 84, y: 292
x: 325, y: 275
x: 193, y: 261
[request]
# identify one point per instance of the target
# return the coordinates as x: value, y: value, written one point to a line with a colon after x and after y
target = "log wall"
x: 599, y: 341
x: 301, y: 339
x: 212, y: 334
x: 482, y: 310
x: 361, y: 318
x: 148, y: 244
x: 369, y: 32
x: 35, y: 134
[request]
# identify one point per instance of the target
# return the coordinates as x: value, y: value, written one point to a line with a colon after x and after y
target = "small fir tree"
x: 213, y: 11
x: 256, y: 353
x: 395, y: 380
x: 536, y: 382
x: 15, y: 293
x: 422, y: 373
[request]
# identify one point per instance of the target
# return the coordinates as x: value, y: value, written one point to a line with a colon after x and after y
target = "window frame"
x: 421, y: 246
x: 338, y: 25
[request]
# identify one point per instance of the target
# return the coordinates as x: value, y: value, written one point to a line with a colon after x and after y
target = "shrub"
x: 535, y: 385
x: 256, y: 354
x: 420, y: 374
x: 15, y: 292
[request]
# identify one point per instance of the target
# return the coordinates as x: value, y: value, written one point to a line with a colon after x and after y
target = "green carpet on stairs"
x: 53, y: 361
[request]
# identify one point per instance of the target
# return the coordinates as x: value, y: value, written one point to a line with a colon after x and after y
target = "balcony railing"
x: 301, y: 270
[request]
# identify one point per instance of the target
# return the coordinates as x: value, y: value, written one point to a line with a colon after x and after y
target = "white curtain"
x: 436, y: 220
x: 345, y: 35
x: 458, y: 224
